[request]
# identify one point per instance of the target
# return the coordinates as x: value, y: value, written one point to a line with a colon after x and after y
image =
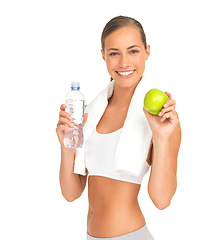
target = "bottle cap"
x: 75, y: 85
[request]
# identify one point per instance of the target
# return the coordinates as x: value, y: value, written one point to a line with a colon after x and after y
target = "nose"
x: 124, y: 61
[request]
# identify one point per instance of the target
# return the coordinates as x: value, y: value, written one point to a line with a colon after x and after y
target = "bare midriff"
x: 113, y: 207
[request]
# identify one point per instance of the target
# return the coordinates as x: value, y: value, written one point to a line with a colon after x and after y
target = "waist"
x: 112, y: 222
x: 105, y: 193
x: 114, y: 207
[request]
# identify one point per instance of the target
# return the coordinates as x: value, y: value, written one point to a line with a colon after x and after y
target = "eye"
x: 113, y: 53
x: 134, y: 51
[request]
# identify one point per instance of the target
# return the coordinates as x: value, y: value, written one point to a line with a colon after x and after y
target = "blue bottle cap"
x: 75, y: 85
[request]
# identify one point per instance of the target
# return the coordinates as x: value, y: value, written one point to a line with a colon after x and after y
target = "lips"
x: 125, y: 73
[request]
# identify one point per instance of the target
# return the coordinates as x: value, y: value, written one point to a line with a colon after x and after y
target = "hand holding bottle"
x: 65, y: 123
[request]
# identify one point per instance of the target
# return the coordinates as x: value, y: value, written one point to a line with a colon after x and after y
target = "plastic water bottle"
x: 75, y: 103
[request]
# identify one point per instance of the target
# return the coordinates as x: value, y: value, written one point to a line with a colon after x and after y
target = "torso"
x: 113, y: 204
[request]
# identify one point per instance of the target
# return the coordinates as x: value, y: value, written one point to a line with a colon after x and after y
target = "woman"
x: 114, y: 212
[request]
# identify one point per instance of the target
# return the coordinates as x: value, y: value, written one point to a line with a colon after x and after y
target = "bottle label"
x: 76, y: 109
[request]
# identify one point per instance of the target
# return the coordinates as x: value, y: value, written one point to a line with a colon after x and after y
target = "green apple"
x: 154, y: 101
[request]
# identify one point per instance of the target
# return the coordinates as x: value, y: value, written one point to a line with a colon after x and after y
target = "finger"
x: 165, y: 110
x: 85, y: 119
x: 145, y: 111
x: 147, y: 114
x: 65, y: 121
x: 169, y: 95
x: 63, y: 128
x: 169, y: 103
x: 65, y: 115
x: 63, y: 107
x: 169, y: 116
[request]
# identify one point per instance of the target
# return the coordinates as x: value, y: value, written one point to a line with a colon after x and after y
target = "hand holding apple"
x: 154, y: 101
x: 160, y: 113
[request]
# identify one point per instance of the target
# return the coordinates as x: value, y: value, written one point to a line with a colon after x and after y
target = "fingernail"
x: 160, y: 114
x: 165, y: 105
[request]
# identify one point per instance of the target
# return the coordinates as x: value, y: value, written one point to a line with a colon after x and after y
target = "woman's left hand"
x: 165, y: 122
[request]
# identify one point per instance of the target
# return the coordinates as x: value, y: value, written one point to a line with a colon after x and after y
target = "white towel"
x: 134, y: 140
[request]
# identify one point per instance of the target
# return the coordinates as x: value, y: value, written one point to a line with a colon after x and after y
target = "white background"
x: 44, y: 45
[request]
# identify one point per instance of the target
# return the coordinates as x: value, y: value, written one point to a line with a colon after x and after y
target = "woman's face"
x: 125, y: 56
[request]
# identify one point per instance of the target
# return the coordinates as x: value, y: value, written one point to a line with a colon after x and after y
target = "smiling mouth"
x: 125, y: 73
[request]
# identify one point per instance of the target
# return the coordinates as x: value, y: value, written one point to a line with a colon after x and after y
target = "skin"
x: 113, y: 204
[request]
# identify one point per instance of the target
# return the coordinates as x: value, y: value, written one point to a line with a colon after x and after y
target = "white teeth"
x: 126, y: 73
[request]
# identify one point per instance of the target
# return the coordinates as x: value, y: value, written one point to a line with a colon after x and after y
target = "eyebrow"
x: 133, y: 46
x: 115, y: 49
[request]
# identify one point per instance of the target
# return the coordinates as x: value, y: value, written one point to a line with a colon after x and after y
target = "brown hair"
x: 119, y: 22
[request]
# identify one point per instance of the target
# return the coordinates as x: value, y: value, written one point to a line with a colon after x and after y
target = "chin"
x: 127, y: 82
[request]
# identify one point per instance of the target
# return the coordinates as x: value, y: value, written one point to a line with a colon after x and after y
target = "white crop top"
x: 99, y: 158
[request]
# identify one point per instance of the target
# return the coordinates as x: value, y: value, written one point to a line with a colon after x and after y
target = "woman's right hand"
x: 65, y: 123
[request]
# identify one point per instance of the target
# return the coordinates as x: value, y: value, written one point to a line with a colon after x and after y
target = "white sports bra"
x: 99, y: 158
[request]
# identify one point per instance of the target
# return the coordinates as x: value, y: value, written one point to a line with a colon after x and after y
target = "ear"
x: 103, y: 55
x: 147, y: 52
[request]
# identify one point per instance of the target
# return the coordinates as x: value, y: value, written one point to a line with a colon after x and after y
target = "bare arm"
x: 166, y: 138
x: 163, y: 182
x: 72, y: 184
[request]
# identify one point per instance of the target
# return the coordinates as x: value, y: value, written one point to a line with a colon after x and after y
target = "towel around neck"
x: 134, y: 140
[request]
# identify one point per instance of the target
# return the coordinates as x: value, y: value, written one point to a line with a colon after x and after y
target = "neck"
x: 122, y: 95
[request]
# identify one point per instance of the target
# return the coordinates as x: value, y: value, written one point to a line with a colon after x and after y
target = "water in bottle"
x: 75, y: 103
